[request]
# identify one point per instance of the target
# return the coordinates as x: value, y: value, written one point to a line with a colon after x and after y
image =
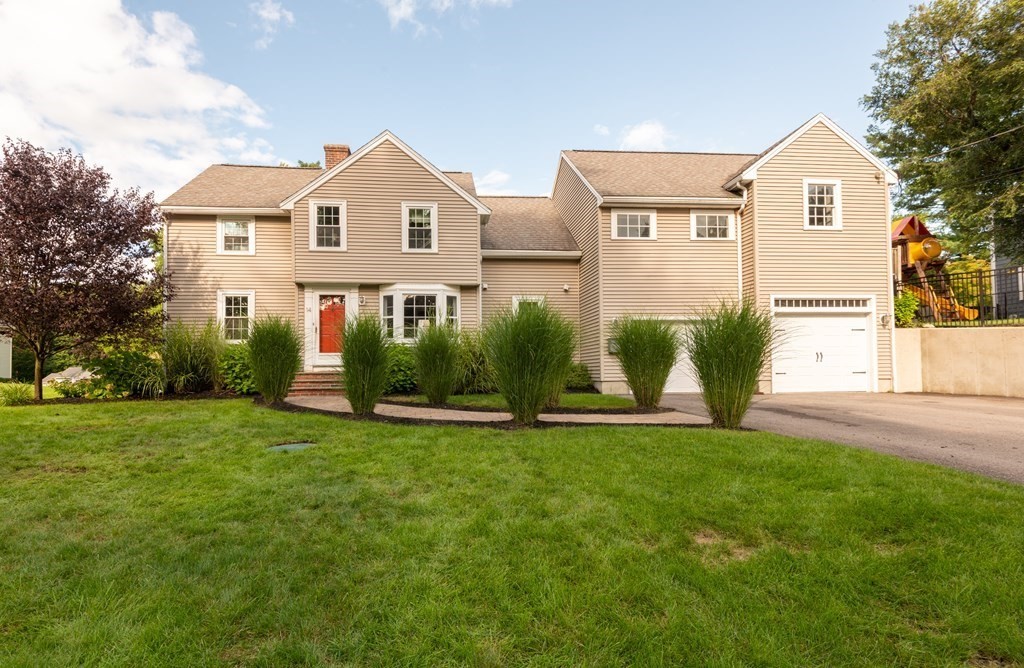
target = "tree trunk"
x: 40, y: 361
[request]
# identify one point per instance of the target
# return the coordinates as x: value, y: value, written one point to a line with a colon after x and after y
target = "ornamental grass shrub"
x: 275, y: 353
x: 366, y: 360
x: 16, y: 394
x: 477, y: 374
x: 729, y: 346
x: 191, y: 356
x: 438, y: 363
x: 647, y: 349
x: 530, y: 351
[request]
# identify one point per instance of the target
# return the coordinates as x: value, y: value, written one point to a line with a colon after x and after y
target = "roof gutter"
x: 223, y: 210
x: 530, y: 254
x: 721, y: 202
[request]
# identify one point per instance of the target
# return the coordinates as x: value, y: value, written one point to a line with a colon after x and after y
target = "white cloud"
x: 601, y: 130
x: 407, y: 11
x: 270, y: 16
x: 493, y: 183
x: 129, y: 96
x: 645, y: 136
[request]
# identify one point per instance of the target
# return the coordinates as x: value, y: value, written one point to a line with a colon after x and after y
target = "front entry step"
x: 316, y: 384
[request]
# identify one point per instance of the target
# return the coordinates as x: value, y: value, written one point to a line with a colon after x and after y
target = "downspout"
x: 739, y: 241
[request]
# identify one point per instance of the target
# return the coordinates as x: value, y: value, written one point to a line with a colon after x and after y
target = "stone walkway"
x: 339, y: 404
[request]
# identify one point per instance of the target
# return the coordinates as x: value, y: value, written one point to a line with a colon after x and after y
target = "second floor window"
x: 710, y: 225
x: 328, y: 229
x: 822, y: 206
x: 634, y: 225
x: 419, y: 227
x: 236, y: 236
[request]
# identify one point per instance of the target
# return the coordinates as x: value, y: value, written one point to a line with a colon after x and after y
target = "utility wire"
x: 969, y: 144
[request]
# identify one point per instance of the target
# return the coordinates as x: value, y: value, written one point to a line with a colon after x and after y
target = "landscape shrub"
x: 477, y: 375
x: 401, y: 370
x: 366, y: 360
x: 647, y: 349
x: 529, y: 350
x: 579, y: 378
x: 122, y: 374
x: 16, y: 394
x: 275, y: 349
x: 70, y: 390
x: 192, y: 355
x: 438, y: 369
x: 236, y: 369
x: 565, y: 338
x: 729, y: 346
x: 905, y: 308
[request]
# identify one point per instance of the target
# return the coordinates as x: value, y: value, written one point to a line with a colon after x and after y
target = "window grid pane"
x: 236, y: 236
x: 236, y: 317
x: 389, y: 315
x: 420, y: 229
x: 633, y: 225
x: 417, y: 310
x: 452, y: 308
x: 712, y: 226
x: 328, y: 226
x: 820, y: 205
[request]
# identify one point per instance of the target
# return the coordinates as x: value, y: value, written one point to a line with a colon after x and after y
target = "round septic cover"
x: 290, y: 447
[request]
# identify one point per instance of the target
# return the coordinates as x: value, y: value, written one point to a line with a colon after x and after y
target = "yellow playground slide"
x: 945, y: 304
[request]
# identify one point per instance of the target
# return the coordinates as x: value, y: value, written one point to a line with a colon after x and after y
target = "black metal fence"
x: 970, y: 299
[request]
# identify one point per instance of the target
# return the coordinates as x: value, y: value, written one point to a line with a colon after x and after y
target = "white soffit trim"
x: 223, y: 211
x: 750, y: 173
x: 387, y: 135
x: 530, y: 254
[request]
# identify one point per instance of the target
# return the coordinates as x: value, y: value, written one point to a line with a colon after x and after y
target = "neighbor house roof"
x: 243, y: 186
x: 525, y: 224
x: 661, y: 174
x: 259, y: 186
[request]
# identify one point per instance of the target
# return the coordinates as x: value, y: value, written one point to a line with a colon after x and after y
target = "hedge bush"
x: 236, y: 369
x: 579, y: 378
x: 401, y: 370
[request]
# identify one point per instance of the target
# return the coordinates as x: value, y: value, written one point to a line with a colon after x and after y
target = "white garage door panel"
x: 822, y: 353
x: 681, y: 379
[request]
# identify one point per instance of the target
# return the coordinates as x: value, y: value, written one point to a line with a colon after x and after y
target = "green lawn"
x: 569, y: 400
x: 164, y: 533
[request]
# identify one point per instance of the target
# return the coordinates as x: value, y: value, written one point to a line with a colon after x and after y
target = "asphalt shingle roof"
x: 659, y: 174
x: 525, y: 223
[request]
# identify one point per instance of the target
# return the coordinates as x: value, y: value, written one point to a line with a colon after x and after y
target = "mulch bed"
x: 554, y: 411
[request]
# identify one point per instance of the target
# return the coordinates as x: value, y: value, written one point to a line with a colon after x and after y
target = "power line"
x: 969, y: 144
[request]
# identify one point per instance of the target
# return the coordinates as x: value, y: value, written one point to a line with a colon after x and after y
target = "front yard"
x: 165, y: 533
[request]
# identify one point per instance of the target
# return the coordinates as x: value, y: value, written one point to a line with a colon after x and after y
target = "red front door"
x: 332, y: 323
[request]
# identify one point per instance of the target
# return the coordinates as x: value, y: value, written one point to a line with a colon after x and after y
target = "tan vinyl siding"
x: 506, y: 279
x: 852, y: 260
x: 197, y: 272
x: 374, y: 189
x: 577, y: 206
x: 668, y: 276
x: 469, y: 307
x: 748, y: 225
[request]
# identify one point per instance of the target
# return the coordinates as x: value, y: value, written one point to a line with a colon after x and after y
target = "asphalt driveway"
x: 980, y: 434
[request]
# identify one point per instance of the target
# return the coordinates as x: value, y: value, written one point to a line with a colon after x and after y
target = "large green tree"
x: 948, y: 106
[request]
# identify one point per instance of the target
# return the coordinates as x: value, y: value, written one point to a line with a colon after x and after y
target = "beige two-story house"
x: 802, y: 228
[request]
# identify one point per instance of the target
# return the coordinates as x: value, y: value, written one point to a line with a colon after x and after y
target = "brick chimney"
x: 335, y: 153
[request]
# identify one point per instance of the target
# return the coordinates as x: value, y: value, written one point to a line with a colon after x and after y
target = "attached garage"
x: 825, y: 344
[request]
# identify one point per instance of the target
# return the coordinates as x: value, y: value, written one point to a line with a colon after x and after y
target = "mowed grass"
x: 567, y: 400
x: 164, y: 533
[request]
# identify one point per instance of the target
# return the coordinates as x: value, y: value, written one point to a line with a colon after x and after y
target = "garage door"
x: 681, y: 377
x: 822, y: 353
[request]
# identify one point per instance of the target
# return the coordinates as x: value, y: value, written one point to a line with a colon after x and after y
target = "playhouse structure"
x: 918, y: 268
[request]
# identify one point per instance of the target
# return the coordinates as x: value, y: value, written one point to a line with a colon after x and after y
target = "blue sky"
x: 497, y: 87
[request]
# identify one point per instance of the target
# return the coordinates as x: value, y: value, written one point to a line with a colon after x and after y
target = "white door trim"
x: 313, y: 359
x: 868, y: 309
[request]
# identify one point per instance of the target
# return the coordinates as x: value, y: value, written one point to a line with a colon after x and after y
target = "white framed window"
x: 236, y: 236
x: 712, y: 225
x: 419, y: 227
x: 641, y: 224
x: 235, y: 309
x: 526, y: 299
x: 823, y: 204
x: 1020, y: 284
x: 406, y: 309
x: 328, y: 226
